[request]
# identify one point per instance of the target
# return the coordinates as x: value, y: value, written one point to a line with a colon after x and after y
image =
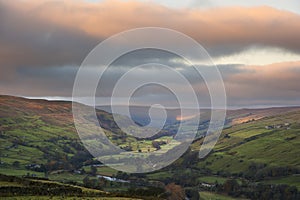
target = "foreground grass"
x: 63, y: 198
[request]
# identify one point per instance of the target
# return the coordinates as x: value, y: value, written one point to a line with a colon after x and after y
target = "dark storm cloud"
x: 29, y: 41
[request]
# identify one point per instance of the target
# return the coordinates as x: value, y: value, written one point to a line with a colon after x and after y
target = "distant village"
x: 279, y: 126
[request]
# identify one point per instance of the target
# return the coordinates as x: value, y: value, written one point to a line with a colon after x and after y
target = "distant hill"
x: 246, y: 115
x: 236, y: 116
x: 140, y: 114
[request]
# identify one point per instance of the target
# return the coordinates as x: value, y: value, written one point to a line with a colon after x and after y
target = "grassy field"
x: 106, y: 171
x: 214, y: 196
x: 65, y: 177
x: 290, y: 180
x: 158, y: 175
x: 247, y: 143
x: 212, y: 179
x: 19, y: 172
x: 7, y: 183
x: 102, y: 170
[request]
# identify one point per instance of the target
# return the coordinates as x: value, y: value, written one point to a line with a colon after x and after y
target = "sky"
x: 255, y: 44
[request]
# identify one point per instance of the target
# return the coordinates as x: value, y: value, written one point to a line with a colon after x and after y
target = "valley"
x: 256, y: 155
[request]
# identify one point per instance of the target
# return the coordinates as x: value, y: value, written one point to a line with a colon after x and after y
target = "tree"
x: 93, y: 170
x: 16, y: 164
x: 192, y: 194
x: 86, y: 181
x: 175, y: 192
x: 79, y: 158
x: 231, y: 187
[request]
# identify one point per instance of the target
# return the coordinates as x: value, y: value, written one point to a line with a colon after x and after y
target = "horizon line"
x: 230, y: 107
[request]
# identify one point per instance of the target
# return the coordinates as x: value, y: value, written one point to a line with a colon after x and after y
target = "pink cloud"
x: 218, y: 26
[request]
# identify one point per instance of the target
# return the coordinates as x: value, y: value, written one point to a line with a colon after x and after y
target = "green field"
x: 248, y: 143
x: 65, y: 177
x: 290, y: 180
x: 214, y: 196
x: 19, y: 172
x: 158, y: 175
x: 212, y: 179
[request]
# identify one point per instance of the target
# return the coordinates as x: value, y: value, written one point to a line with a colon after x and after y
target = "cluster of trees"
x: 192, y: 193
x: 175, y: 192
x: 96, y: 183
x: 260, y: 171
x: 149, y: 191
x: 257, y: 190
x: 171, y: 191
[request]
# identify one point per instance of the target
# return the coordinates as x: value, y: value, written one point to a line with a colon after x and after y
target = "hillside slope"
x: 271, y: 141
x: 38, y: 131
x: 261, y: 146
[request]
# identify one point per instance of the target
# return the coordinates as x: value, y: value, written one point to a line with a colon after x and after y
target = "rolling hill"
x: 258, y: 146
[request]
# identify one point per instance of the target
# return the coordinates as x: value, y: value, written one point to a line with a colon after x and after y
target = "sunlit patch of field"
x: 215, y: 196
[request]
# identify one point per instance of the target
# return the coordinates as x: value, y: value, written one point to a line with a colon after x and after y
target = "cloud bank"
x: 42, y: 44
